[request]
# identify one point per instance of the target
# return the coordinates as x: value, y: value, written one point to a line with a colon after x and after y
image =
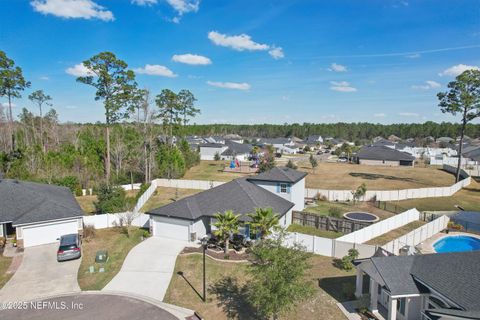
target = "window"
x: 401, y: 305
x: 283, y: 188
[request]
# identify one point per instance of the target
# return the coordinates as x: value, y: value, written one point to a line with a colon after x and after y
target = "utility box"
x: 101, y: 256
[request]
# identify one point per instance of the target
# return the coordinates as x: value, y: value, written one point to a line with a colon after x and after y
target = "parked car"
x: 69, y: 248
x: 319, y: 152
x: 342, y: 159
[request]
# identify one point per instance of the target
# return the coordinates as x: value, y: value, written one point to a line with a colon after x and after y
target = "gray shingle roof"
x: 235, y: 148
x: 383, y: 153
x: 455, y: 275
x: 280, y: 174
x: 27, y: 202
x: 436, y: 314
x: 238, y: 195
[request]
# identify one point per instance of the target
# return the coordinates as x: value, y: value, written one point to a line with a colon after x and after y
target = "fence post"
x: 316, y: 222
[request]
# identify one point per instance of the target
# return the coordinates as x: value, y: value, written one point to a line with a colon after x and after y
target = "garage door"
x: 47, y: 233
x: 171, y: 228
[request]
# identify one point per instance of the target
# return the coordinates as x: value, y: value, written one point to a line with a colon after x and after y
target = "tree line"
x: 125, y: 148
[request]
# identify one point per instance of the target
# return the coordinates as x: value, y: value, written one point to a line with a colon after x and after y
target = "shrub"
x: 320, y: 197
x: 291, y: 165
x: 216, y: 157
x: 454, y: 226
x: 347, y: 261
x: 334, y: 212
x: 141, y: 191
x: 145, y: 233
x: 78, y: 191
x: 110, y: 199
x: 88, y: 232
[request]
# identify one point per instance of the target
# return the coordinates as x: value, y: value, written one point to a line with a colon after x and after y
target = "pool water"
x: 457, y: 244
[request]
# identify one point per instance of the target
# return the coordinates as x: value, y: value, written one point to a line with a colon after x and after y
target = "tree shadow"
x: 233, y: 299
x: 340, y: 288
x: 375, y: 176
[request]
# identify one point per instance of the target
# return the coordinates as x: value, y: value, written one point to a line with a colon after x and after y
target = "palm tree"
x: 226, y: 224
x: 264, y: 220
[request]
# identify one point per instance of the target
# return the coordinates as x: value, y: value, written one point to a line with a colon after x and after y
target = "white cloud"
x: 379, y: 115
x: 72, y: 9
x: 337, y: 67
x: 239, y: 43
x: 44, y: 78
x: 5, y: 105
x: 408, y: 114
x: 144, y: 2
x: 276, y: 53
x: 456, y: 70
x: 79, y: 70
x: 413, y: 56
x: 244, y: 42
x: 192, y: 59
x: 342, y: 86
x: 230, y: 85
x: 429, y: 84
x: 184, y: 6
x: 155, y: 70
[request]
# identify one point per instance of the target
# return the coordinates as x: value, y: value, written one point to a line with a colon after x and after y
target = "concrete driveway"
x: 41, y: 275
x: 148, y: 268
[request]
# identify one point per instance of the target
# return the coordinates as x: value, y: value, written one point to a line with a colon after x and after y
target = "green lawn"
x: 226, y: 284
x: 117, y: 244
x: 314, y: 231
x: 163, y: 196
x: 394, y: 234
x: 468, y: 198
x: 322, y: 208
x: 4, y: 264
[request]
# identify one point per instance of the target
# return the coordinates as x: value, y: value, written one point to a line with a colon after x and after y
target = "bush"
x: 78, y: 191
x: 334, y: 212
x: 70, y: 182
x: 291, y: 165
x: 145, y: 233
x: 88, y: 232
x: 216, y: 157
x: 320, y: 197
x: 347, y: 261
x: 143, y: 188
x: 110, y: 199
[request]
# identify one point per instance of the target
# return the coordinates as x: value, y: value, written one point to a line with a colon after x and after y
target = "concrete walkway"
x: 148, y: 268
x: 41, y: 275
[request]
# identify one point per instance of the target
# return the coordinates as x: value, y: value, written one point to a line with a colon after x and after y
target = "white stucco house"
x: 427, y: 287
x: 190, y: 218
x: 209, y: 150
x: 37, y: 213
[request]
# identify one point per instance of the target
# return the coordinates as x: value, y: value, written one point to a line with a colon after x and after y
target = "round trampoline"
x: 361, y: 216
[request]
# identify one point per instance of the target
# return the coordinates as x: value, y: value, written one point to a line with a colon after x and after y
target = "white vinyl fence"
x: 451, y: 161
x: 339, y: 247
x: 109, y: 220
x: 418, y: 235
x: 395, y: 195
x: 381, y: 227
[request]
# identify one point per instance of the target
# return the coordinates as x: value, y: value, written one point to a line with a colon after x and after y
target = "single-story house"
x: 384, y: 143
x: 314, y: 140
x: 190, y: 218
x: 37, y: 213
x: 383, y: 156
x: 233, y: 137
x: 209, y: 150
x: 235, y: 150
x: 427, y: 287
x: 281, y: 145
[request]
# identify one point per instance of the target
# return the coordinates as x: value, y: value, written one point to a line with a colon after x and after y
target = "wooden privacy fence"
x: 327, y: 223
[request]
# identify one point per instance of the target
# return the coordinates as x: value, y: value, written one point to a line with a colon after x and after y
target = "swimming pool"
x: 457, y: 244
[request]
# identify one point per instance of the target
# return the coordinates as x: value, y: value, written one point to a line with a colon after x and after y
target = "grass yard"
x: 314, y: 231
x: 322, y: 208
x: 4, y: 264
x: 211, y: 171
x: 117, y: 244
x: 343, y: 176
x: 468, y: 198
x: 389, y: 236
x: 163, y: 196
x: 226, y: 283
x: 87, y: 202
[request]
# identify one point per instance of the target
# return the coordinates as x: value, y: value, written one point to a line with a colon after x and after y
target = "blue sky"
x: 252, y: 61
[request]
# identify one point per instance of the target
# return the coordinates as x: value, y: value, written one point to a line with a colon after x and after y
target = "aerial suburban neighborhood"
x: 190, y: 160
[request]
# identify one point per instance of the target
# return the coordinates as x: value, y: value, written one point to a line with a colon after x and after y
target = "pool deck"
x: 426, y: 246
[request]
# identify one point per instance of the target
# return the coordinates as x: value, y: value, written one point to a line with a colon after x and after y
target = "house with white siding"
x: 190, y: 218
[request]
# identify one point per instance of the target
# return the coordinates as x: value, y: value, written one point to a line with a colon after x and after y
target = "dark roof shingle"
x: 280, y: 174
x: 238, y: 195
x: 27, y: 202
